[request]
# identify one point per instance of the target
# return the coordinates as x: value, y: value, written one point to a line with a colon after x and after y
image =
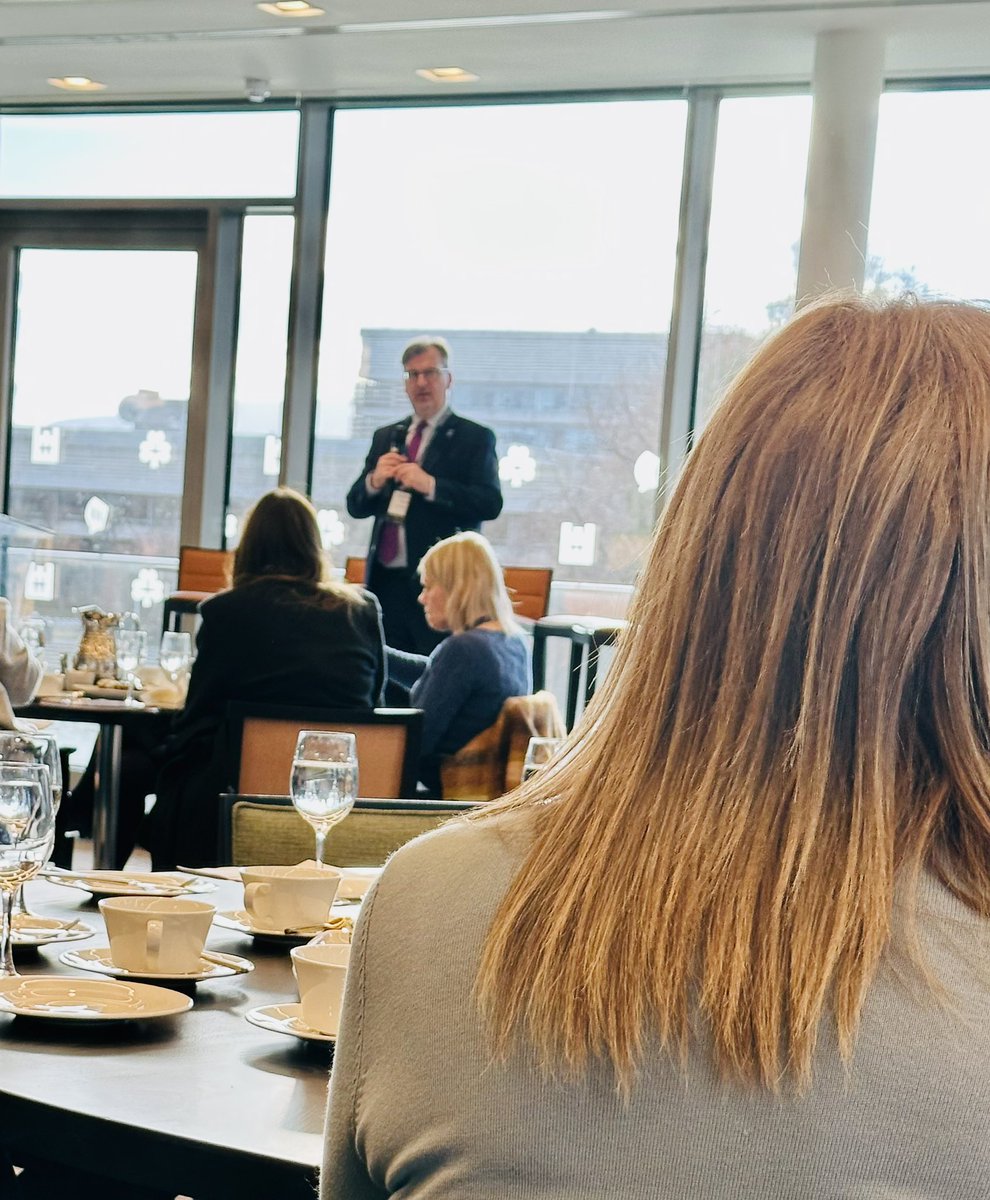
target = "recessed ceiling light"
x: 292, y: 8
x: 446, y: 75
x: 77, y: 83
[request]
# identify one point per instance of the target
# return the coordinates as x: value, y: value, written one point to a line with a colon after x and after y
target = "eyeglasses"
x: 427, y: 376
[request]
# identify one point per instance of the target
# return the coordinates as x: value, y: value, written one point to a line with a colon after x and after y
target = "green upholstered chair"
x: 256, y: 830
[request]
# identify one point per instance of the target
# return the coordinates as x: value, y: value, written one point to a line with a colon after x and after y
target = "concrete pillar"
x: 847, y: 82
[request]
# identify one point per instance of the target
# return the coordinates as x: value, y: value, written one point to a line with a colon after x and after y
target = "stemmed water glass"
x: 27, y: 836
x: 130, y: 645
x: 175, y: 654
x: 39, y: 749
x: 324, y: 780
x: 538, y: 753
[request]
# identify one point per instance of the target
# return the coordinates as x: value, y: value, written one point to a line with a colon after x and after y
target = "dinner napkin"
x: 157, y: 688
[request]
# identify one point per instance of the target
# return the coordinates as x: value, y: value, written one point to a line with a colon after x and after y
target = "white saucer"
x: 131, y: 883
x: 63, y: 998
x: 286, y: 1018
x: 354, y: 882
x: 242, y: 923
x: 81, y: 703
x: 29, y: 930
x: 98, y: 959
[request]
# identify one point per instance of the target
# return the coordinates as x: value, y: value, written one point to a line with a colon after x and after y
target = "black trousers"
x: 397, y: 589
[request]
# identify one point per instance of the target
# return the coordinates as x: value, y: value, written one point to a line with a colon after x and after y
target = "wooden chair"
x: 263, y: 738
x: 529, y: 590
x: 491, y: 763
x: 528, y: 587
x: 202, y: 573
x: 257, y: 830
x: 354, y: 569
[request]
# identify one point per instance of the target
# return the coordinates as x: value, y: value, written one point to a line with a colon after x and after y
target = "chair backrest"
x: 354, y: 569
x: 529, y: 590
x: 257, y: 830
x: 491, y: 763
x: 204, y: 570
x: 529, y: 587
x: 263, y: 739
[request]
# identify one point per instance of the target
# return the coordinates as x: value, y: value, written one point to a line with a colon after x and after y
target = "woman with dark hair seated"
x: 463, y: 684
x: 282, y: 634
x: 733, y: 942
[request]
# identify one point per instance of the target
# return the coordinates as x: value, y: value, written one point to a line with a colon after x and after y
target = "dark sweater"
x: 273, y: 641
x: 461, y: 688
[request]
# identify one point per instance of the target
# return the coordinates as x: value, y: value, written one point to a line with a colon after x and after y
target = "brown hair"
x: 281, y: 539
x: 798, y: 713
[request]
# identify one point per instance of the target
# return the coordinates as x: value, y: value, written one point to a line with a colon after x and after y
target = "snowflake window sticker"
x: 332, y: 528
x: 147, y: 587
x: 156, y: 450
x: 577, y: 544
x: 646, y: 471
x: 96, y: 515
x: 517, y: 467
x: 46, y: 445
x: 39, y: 583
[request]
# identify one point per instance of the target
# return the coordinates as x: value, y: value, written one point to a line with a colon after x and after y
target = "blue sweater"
x: 461, y: 689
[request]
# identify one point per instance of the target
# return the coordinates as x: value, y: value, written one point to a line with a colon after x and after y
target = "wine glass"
x: 538, y: 753
x: 37, y: 748
x: 27, y: 836
x: 131, y: 645
x: 324, y: 780
x: 175, y: 654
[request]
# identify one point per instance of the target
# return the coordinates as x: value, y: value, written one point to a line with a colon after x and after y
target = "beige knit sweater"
x: 416, y: 1110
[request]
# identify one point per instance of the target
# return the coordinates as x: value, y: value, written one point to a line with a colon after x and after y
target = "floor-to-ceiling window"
x: 544, y: 250
x: 102, y: 351
x: 102, y: 357
x: 755, y: 228
x: 930, y: 185
x: 259, y: 382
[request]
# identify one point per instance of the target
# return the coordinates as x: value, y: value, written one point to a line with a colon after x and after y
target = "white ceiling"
x: 183, y: 50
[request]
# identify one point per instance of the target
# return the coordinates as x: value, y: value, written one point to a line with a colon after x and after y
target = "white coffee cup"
x: 320, y: 972
x: 279, y: 898
x: 157, y: 935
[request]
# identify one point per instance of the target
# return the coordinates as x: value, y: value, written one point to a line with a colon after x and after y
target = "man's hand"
x: 411, y: 475
x: 387, y: 468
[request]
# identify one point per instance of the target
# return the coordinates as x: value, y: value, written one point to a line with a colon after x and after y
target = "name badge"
x: 398, y: 506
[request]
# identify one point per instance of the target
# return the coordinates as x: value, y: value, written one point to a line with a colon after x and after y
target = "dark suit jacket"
x: 461, y: 457
x: 270, y: 641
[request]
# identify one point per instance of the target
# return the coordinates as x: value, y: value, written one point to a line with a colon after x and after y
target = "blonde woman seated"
x: 734, y: 944
x: 463, y: 684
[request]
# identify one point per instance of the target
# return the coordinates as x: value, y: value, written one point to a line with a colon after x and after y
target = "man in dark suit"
x: 425, y: 478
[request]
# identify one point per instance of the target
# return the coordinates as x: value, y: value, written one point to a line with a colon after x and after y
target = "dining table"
x: 114, y: 718
x: 201, y: 1104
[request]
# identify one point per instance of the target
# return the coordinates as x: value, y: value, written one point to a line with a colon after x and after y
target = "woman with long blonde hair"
x: 734, y: 942
x: 463, y: 684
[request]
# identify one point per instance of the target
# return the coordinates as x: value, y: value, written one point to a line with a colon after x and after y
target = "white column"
x: 847, y: 82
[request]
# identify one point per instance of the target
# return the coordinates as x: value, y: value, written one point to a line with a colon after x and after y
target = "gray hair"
x: 424, y: 342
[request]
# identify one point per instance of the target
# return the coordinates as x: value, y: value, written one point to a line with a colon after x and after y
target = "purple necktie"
x: 388, y: 539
